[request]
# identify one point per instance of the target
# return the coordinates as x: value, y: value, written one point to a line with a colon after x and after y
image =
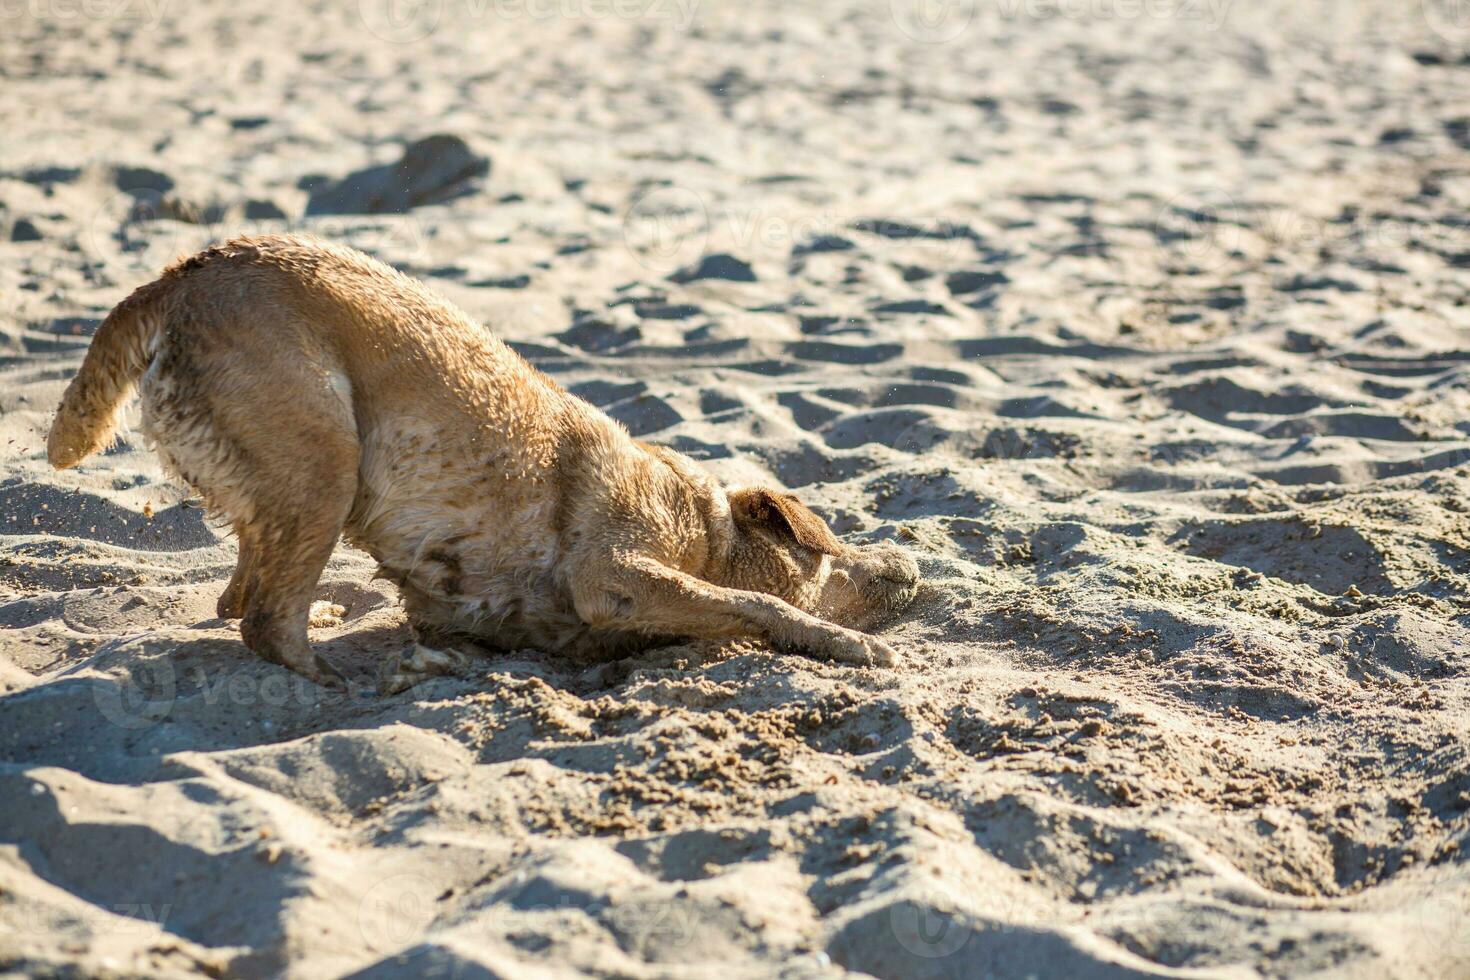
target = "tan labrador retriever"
x: 308, y: 392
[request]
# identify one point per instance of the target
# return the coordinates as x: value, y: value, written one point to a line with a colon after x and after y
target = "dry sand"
x: 1144, y: 328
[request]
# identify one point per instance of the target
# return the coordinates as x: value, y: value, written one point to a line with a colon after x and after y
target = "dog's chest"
x: 473, y: 544
x: 500, y: 577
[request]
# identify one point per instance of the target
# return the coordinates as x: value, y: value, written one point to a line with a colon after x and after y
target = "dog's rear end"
x: 248, y: 407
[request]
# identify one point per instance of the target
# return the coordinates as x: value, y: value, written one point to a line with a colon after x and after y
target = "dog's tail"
x: 121, y: 351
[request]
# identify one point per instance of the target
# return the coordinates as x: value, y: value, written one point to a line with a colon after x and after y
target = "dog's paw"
x: 879, y: 654
x: 851, y: 647
x: 884, y: 654
x: 304, y: 661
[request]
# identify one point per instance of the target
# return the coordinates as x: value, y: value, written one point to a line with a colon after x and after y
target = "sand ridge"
x: 1145, y: 334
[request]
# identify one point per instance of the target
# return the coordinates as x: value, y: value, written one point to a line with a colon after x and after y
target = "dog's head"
x: 781, y: 548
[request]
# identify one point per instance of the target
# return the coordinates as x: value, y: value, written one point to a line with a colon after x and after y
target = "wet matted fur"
x: 309, y: 392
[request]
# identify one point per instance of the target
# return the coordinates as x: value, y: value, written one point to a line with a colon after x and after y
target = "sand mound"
x: 430, y: 171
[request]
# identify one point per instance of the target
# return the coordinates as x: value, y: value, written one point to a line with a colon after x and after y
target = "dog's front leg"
x: 645, y: 596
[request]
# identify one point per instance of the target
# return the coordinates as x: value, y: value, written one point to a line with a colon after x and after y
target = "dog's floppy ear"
x: 785, y: 512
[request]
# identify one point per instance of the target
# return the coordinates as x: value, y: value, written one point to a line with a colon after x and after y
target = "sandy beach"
x: 1143, y: 326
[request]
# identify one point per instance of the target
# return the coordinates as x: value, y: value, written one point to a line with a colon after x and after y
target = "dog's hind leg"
x: 295, y: 543
x: 232, y: 601
x: 305, y: 475
x: 267, y: 435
